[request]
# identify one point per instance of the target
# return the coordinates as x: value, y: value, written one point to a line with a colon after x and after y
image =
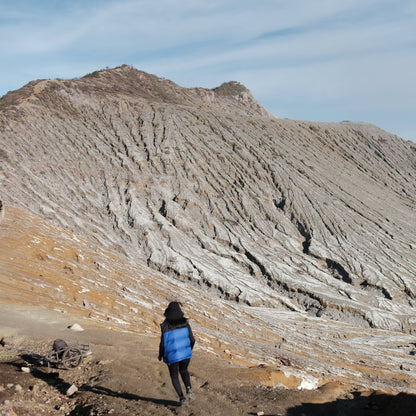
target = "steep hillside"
x: 277, y: 220
x: 205, y: 186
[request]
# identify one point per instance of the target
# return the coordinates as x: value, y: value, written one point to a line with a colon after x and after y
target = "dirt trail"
x: 124, y: 377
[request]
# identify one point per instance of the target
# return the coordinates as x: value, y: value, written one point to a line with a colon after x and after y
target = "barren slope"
x: 296, y: 230
x: 47, y: 267
x: 197, y: 184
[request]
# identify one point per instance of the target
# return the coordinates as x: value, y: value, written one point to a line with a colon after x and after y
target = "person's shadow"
x: 128, y: 396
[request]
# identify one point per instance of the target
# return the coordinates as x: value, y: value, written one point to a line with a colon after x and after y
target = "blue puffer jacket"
x: 177, y: 345
x: 176, y: 342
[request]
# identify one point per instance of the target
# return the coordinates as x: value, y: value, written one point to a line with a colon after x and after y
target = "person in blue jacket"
x: 176, y: 344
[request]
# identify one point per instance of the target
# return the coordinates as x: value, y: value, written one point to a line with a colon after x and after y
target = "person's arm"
x: 161, y: 347
x: 191, y: 337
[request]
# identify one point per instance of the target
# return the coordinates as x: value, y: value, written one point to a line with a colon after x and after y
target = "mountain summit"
x: 129, y: 82
x: 314, y: 220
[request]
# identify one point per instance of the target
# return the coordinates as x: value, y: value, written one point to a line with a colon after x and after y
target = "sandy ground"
x: 124, y: 377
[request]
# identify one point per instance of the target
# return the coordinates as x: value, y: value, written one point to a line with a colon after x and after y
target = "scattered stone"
x: 76, y: 328
x: 71, y: 390
x: 26, y: 369
x: 2, y: 389
x: 104, y: 362
x: 260, y: 413
x: 18, y: 387
x: 10, y: 385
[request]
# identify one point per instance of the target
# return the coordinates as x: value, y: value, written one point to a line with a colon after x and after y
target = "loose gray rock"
x: 76, y: 327
x: 71, y: 390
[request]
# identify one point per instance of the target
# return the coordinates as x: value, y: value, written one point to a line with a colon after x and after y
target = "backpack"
x: 59, y: 345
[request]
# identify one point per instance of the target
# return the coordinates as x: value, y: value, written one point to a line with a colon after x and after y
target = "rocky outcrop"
x: 205, y: 186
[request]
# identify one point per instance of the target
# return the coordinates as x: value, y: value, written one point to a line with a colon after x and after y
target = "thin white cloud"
x: 331, y: 56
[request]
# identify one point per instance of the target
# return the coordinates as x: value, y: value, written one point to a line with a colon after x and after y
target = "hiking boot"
x: 182, y: 401
x: 190, y: 394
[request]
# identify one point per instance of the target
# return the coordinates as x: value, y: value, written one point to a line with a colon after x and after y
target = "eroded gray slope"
x: 206, y: 186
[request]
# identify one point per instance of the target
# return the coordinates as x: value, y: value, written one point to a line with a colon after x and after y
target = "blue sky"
x: 324, y: 60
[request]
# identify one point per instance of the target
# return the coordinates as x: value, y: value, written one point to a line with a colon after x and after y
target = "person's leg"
x: 183, y: 369
x: 174, y: 376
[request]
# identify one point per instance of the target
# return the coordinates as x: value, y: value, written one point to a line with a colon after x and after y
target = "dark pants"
x: 181, y: 367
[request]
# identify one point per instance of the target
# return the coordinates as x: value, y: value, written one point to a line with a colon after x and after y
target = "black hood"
x: 173, y: 312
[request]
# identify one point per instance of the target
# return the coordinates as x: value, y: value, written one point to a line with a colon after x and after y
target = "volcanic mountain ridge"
x: 302, y: 232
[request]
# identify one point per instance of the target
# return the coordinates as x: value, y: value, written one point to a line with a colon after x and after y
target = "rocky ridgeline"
x: 207, y: 187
